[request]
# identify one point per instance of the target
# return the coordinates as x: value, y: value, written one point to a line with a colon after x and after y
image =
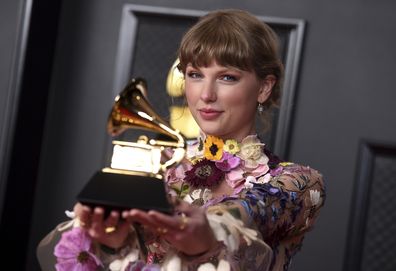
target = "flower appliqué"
x: 74, y: 252
x: 231, y: 146
x: 213, y: 148
x: 230, y: 160
x: 204, y: 173
x: 252, y: 152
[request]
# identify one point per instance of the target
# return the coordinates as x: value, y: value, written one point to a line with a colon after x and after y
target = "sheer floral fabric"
x: 259, y: 220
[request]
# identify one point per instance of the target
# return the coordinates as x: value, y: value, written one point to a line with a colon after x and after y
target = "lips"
x: 209, y: 113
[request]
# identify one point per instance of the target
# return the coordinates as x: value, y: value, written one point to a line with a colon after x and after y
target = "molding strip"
x: 12, y: 95
x: 368, y: 151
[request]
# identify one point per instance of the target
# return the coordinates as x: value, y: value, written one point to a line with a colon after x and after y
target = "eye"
x: 229, y: 78
x: 194, y: 74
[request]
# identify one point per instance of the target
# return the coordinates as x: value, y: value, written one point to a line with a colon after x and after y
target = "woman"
x: 243, y: 208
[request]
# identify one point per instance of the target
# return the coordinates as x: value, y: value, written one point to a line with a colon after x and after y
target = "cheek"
x: 243, y: 104
x: 241, y: 99
x: 189, y: 98
x: 191, y: 94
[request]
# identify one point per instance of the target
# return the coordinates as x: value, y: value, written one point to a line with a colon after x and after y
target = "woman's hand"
x: 187, y: 230
x: 110, y: 231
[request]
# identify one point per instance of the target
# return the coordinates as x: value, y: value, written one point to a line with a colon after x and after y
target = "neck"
x: 238, y: 137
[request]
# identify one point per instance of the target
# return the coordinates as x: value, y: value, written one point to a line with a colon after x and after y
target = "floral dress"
x: 259, y: 219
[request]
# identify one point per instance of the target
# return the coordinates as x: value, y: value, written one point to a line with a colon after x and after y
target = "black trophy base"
x: 113, y: 191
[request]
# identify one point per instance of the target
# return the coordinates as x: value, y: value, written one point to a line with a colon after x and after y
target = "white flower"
x: 121, y: 264
x: 223, y: 266
x: 192, y: 150
x: 206, y: 267
x: 172, y: 264
x: 315, y: 197
x: 196, y: 193
x: 204, y: 194
x: 74, y: 222
x: 228, y: 230
x: 70, y: 214
x: 249, y: 181
x: 251, y: 152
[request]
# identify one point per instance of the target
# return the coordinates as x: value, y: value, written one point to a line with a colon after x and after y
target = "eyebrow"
x: 222, y: 69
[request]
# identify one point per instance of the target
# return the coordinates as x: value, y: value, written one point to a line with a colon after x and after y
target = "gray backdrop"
x: 344, y: 98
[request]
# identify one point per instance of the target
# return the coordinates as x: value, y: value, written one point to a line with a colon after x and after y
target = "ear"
x: 266, y: 88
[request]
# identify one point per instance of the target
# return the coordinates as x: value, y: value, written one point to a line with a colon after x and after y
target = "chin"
x: 211, y: 131
x: 213, y: 128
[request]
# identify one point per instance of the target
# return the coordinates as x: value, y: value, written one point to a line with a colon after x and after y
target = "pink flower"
x: 228, y: 162
x: 175, y: 174
x: 234, y: 177
x: 260, y: 170
x: 74, y: 252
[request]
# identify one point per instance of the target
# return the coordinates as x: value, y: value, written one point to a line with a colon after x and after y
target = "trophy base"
x: 114, y: 191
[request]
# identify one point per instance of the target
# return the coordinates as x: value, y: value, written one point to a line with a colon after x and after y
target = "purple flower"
x: 276, y: 171
x: 274, y: 191
x: 227, y: 162
x: 74, y: 252
x: 204, y: 174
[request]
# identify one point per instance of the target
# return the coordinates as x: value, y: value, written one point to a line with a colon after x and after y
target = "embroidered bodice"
x: 278, y: 199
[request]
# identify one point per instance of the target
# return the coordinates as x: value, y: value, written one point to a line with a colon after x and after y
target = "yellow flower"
x: 231, y: 146
x: 285, y: 164
x: 213, y: 148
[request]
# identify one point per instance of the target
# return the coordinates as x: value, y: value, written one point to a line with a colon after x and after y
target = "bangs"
x: 214, y: 42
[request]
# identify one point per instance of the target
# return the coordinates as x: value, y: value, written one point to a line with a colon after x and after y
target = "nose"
x: 208, y: 91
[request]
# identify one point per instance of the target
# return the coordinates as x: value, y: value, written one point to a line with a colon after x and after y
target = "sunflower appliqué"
x: 213, y: 148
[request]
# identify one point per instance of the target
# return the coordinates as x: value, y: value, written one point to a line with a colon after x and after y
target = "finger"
x: 111, y: 222
x: 130, y: 218
x: 112, y: 219
x: 97, y: 226
x: 77, y: 209
x: 85, y: 216
x: 171, y: 222
x: 141, y: 217
x: 125, y: 216
x: 149, y: 222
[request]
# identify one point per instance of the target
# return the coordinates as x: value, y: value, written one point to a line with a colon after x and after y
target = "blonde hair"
x: 234, y: 38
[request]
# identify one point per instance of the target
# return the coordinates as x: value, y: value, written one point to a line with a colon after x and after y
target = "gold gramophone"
x: 133, y: 179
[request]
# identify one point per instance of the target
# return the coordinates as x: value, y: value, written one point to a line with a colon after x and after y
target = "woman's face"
x: 223, y: 100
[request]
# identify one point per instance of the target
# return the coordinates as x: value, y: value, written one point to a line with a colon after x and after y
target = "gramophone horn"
x: 132, y: 110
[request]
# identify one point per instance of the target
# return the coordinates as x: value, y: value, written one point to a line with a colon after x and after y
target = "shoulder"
x: 294, y: 177
x: 288, y: 198
x: 293, y: 186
